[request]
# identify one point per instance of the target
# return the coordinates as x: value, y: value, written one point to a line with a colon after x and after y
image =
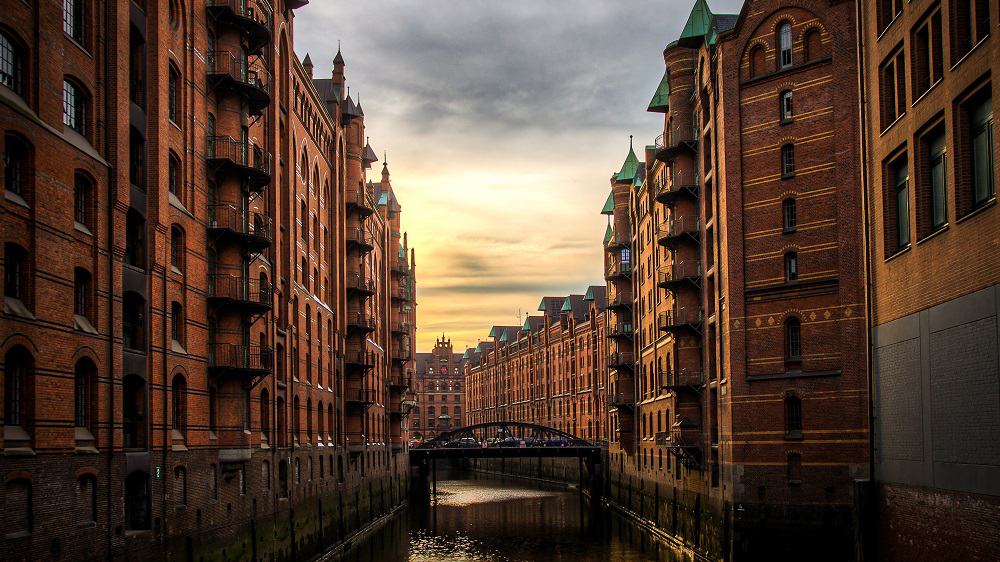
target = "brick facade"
x: 438, y: 391
x: 189, y: 217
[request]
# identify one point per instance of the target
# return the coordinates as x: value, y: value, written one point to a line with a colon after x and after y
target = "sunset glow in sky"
x: 503, y: 122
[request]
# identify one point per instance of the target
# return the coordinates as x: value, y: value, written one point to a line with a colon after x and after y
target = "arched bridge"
x: 504, y: 439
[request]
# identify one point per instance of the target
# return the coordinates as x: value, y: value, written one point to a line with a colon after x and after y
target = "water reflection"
x: 508, y: 520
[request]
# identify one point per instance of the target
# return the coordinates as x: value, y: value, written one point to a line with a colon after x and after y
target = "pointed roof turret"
x: 368, y: 156
x: 661, y: 98
x: 698, y: 25
x: 307, y: 61
x: 629, y: 167
x: 609, y: 205
x: 339, y: 59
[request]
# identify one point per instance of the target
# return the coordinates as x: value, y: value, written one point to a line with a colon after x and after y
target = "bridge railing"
x: 504, y: 435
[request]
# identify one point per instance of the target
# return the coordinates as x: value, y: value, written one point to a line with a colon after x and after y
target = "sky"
x: 502, y: 123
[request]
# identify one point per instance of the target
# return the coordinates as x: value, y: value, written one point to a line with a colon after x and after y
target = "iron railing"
x: 241, y: 357
x: 244, y: 154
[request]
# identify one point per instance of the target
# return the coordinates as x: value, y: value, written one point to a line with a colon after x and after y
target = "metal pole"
x: 434, y: 479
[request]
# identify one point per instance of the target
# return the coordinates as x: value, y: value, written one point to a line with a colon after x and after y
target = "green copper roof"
x: 383, y: 199
x: 493, y: 332
x: 698, y: 25
x: 609, y: 205
x: 629, y: 167
x: 661, y: 99
x: 503, y: 337
x: 527, y: 325
x: 465, y: 355
x: 590, y: 290
x: 608, y: 234
x: 567, y: 306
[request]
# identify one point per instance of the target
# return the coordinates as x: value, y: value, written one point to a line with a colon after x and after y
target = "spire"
x: 630, y: 166
x: 609, y: 205
x: 661, y: 98
x: 307, y: 64
x: 698, y: 25
x: 339, y: 59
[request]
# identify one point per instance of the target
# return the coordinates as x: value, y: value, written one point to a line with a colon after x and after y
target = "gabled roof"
x: 698, y: 25
x: 576, y: 306
x: 533, y: 323
x: 597, y: 294
x: 551, y: 306
x: 661, y: 98
x: 627, y: 173
x: 609, y: 205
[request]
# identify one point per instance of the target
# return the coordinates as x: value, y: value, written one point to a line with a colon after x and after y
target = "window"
x: 970, y: 24
x: 17, y: 513
x: 887, y: 12
x: 898, y: 206
x: 247, y: 409
x: 786, y: 106
x: 173, y: 92
x: 137, y: 159
x: 787, y: 160
x: 17, y: 167
x: 784, y: 45
x: 81, y: 292
x: 180, y: 486
x: 927, y: 58
x: 794, y: 468
x: 178, y: 404
x: 177, y: 248
x: 11, y: 64
x: 74, y: 107
x: 134, y: 412
x: 265, y: 415
x: 793, y: 340
x: 18, y: 389
x: 135, y: 239
x: 73, y: 19
x: 213, y: 410
x: 892, y: 88
x: 981, y: 143
x: 86, y: 498
x: 757, y: 61
x: 83, y: 193
x: 16, y: 275
x: 174, y: 178
x: 793, y: 416
x: 84, y: 379
x: 932, y: 210
x: 134, y: 321
x: 791, y: 267
x: 788, y: 215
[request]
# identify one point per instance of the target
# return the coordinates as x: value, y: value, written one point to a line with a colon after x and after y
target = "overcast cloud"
x: 503, y: 122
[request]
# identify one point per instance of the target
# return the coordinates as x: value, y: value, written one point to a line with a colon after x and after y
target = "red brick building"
x: 547, y: 371
x: 438, y: 391
x: 187, y: 213
x: 934, y: 233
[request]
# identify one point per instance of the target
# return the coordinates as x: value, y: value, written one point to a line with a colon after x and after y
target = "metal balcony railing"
x: 253, y: 17
x: 619, y: 400
x: 617, y: 268
x: 238, y: 70
x: 235, y: 357
x: 621, y: 359
x: 620, y: 330
x: 360, y: 319
x: 251, y: 160
x: 676, y: 227
x: 249, y: 290
x: 360, y: 237
x: 680, y: 271
x: 683, y: 318
x: 361, y: 283
x: 229, y: 217
x: 364, y: 359
x: 358, y: 200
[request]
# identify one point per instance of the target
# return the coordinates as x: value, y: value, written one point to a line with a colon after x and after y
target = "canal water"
x: 484, y: 518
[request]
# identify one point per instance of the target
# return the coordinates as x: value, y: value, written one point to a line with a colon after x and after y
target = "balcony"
x: 360, y: 284
x: 361, y: 239
x: 249, y: 162
x: 360, y: 397
x: 401, y: 326
x: 618, y: 270
x: 252, y: 81
x: 402, y: 355
x: 400, y: 265
x: 679, y: 229
x: 357, y: 201
x: 616, y: 242
x: 246, y: 294
x: 250, y: 361
x: 401, y: 292
x: 252, y: 17
x: 360, y: 359
x: 355, y: 441
x: 399, y: 382
x: 621, y: 360
x: 681, y: 321
x: 670, y: 146
x: 361, y: 321
x: 681, y: 273
x: 620, y: 330
x: 251, y: 230
x: 667, y: 192
x: 683, y: 382
x: 684, y: 438
x: 621, y: 401
x: 620, y: 302
x: 662, y: 438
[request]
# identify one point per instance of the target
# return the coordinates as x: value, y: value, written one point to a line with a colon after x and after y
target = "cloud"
x: 503, y: 122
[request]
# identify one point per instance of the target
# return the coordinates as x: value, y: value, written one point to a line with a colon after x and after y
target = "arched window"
x: 296, y: 417
x: 137, y: 159
x: 265, y: 415
x: 787, y: 160
x: 12, y: 63
x: 135, y: 239
x: 18, y: 168
x: 177, y: 249
x: 17, y: 277
x: 757, y: 61
x: 793, y: 417
x: 793, y: 340
x: 19, y: 384
x: 180, y: 485
x: 86, y: 498
x: 173, y: 89
x: 75, y: 107
x: 329, y: 422
x: 178, y: 404
x: 84, y: 381
x: 813, y: 45
x: 174, y: 181
x: 17, y: 514
x: 309, y: 419
x: 789, y: 218
x: 320, y: 414
x: 177, y: 323
x: 791, y: 266
x: 134, y: 412
x: 280, y: 422
x: 137, y: 509
x: 83, y: 197
x: 784, y: 45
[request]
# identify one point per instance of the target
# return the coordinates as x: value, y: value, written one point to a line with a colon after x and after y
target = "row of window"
x: 812, y: 49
